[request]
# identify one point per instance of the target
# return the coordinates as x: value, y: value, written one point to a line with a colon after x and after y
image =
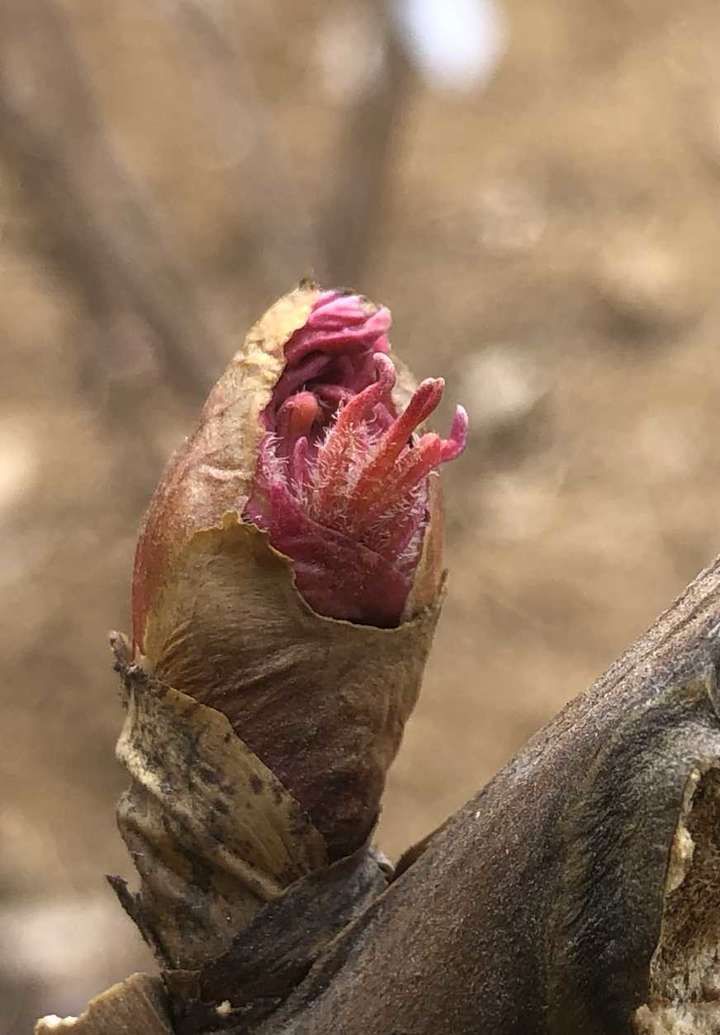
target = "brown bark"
x: 133, y: 1007
x: 564, y: 897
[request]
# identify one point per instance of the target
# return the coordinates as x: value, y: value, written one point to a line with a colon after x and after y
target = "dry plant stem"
x: 578, y: 892
x: 91, y: 212
x: 282, y: 237
x: 362, y: 183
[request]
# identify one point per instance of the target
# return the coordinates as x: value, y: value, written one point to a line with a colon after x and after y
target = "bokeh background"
x: 533, y: 188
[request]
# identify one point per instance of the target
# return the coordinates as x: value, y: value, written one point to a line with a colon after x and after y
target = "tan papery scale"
x: 212, y: 472
x: 212, y: 832
x: 135, y: 1006
x: 322, y: 702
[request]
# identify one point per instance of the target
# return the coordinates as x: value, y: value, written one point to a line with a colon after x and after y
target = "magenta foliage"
x: 341, y: 482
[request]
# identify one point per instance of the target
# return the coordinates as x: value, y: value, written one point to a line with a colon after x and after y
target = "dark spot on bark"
x: 208, y: 774
x: 256, y: 784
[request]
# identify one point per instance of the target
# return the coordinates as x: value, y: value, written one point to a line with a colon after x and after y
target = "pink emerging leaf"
x: 341, y: 482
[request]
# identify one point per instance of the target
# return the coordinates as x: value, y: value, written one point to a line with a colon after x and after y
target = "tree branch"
x: 96, y: 225
x: 580, y: 886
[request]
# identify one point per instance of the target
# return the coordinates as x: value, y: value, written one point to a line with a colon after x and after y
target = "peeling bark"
x: 133, y: 1007
x: 563, y: 899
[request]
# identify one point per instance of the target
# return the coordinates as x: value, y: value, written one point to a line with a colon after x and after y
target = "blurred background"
x: 533, y: 188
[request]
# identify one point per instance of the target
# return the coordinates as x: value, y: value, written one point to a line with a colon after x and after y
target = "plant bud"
x: 340, y: 486
x: 289, y: 570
